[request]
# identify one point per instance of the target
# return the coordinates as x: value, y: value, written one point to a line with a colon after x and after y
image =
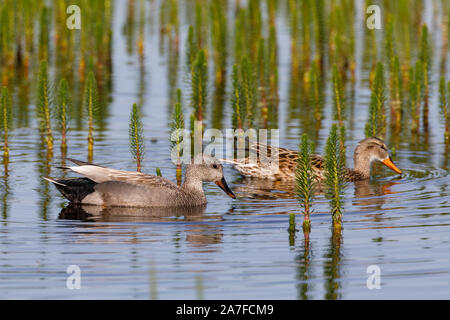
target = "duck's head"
x: 208, y: 168
x: 370, y: 150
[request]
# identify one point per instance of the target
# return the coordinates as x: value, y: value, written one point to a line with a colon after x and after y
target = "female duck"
x: 368, y: 150
x: 110, y: 187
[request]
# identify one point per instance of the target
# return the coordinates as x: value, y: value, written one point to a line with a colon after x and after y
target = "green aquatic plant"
x: 338, y: 95
x: 294, y: 35
x: 199, y: 83
x: 91, y: 105
x: 43, y: 105
x: 236, y: 100
x: 219, y: 35
x: 375, y: 125
x: 255, y: 26
x: 335, y: 174
x: 6, y: 39
x: 141, y: 29
x: 5, y: 119
x: 61, y: 32
x: 425, y: 57
x: 200, y: 23
x: 444, y: 104
x: 199, y: 287
x: 396, y: 93
x: 292, y: 222
x: 320, y: 30
x: 405, y: 22
x: 247, y: 30
x: 197, y: 23
x: 291, y: 229
x: 44, y: 33
x: 169, y: 20
x: 316, y: 93
x: 272, y: 6
x: 28, y: 33
x: 198, y: 99
x: 342, y: 133
x: 389, y: 43
x: 447, y: 116
x: 191, y: 50
x: 177, y: 125
x: 305, y: 180
x: 415, y: 94
x: 136, y: 136
x: 266, y: 80
x: 173, y: 61
x: 395, y: 78
x: 262, y: 78
x: 158, y: 172
x: 248, y: 91
x: 306, y: 13
x: 342, y: 38
x: 95, y: 40
x: 272, y: 50
x: 62, y: 109
x: 130, y: 23
x: 174, y: 18
x: 240, y: 39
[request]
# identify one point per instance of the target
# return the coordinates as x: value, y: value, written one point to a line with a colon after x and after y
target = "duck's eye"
x: 215, y: 166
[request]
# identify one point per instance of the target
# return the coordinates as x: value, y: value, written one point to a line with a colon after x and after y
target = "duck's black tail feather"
x: 75, y: 190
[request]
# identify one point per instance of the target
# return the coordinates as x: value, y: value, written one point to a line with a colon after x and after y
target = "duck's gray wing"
x: 102, y: 174
x: 82, y: 163
x: 125, y: 194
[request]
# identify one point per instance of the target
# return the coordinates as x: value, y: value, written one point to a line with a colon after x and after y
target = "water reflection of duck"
x: 110, y: 187
x: 265, y: 189
x: 117, y: 214
x: 367, y: 151
x: 366, y: 192
x: 369, y: 193
x: 198, y: 234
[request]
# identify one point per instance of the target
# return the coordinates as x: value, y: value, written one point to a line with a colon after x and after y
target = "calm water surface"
x: 232, y: 249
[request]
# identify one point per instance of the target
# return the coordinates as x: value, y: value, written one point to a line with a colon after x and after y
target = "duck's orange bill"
x: 388, y: 163
x: 223, y: 185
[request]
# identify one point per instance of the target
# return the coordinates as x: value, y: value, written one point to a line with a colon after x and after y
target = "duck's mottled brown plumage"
x: 366, y: 152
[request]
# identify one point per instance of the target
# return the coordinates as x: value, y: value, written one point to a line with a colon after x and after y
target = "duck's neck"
x: 192, y: 183
x: 362, y: 165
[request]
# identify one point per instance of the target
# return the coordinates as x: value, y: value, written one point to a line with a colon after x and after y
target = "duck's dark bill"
x: 388, y: 163
x: 223, y: 185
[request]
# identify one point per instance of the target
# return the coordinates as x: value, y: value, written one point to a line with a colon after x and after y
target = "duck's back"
x: 275, y: 163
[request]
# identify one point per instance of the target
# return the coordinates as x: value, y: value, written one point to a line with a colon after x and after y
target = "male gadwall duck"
x: 368, y: 150
x: 110, y: 187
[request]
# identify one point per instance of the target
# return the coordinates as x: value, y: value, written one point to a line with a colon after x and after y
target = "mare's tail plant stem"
x: 136, y: 136
x: 305, y: 180
x: 91, y: 106
x: 62, y: 112
x: 43, y: 105
x: 334, y: 175
x: 177, y: 127
x: 5, y: 118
